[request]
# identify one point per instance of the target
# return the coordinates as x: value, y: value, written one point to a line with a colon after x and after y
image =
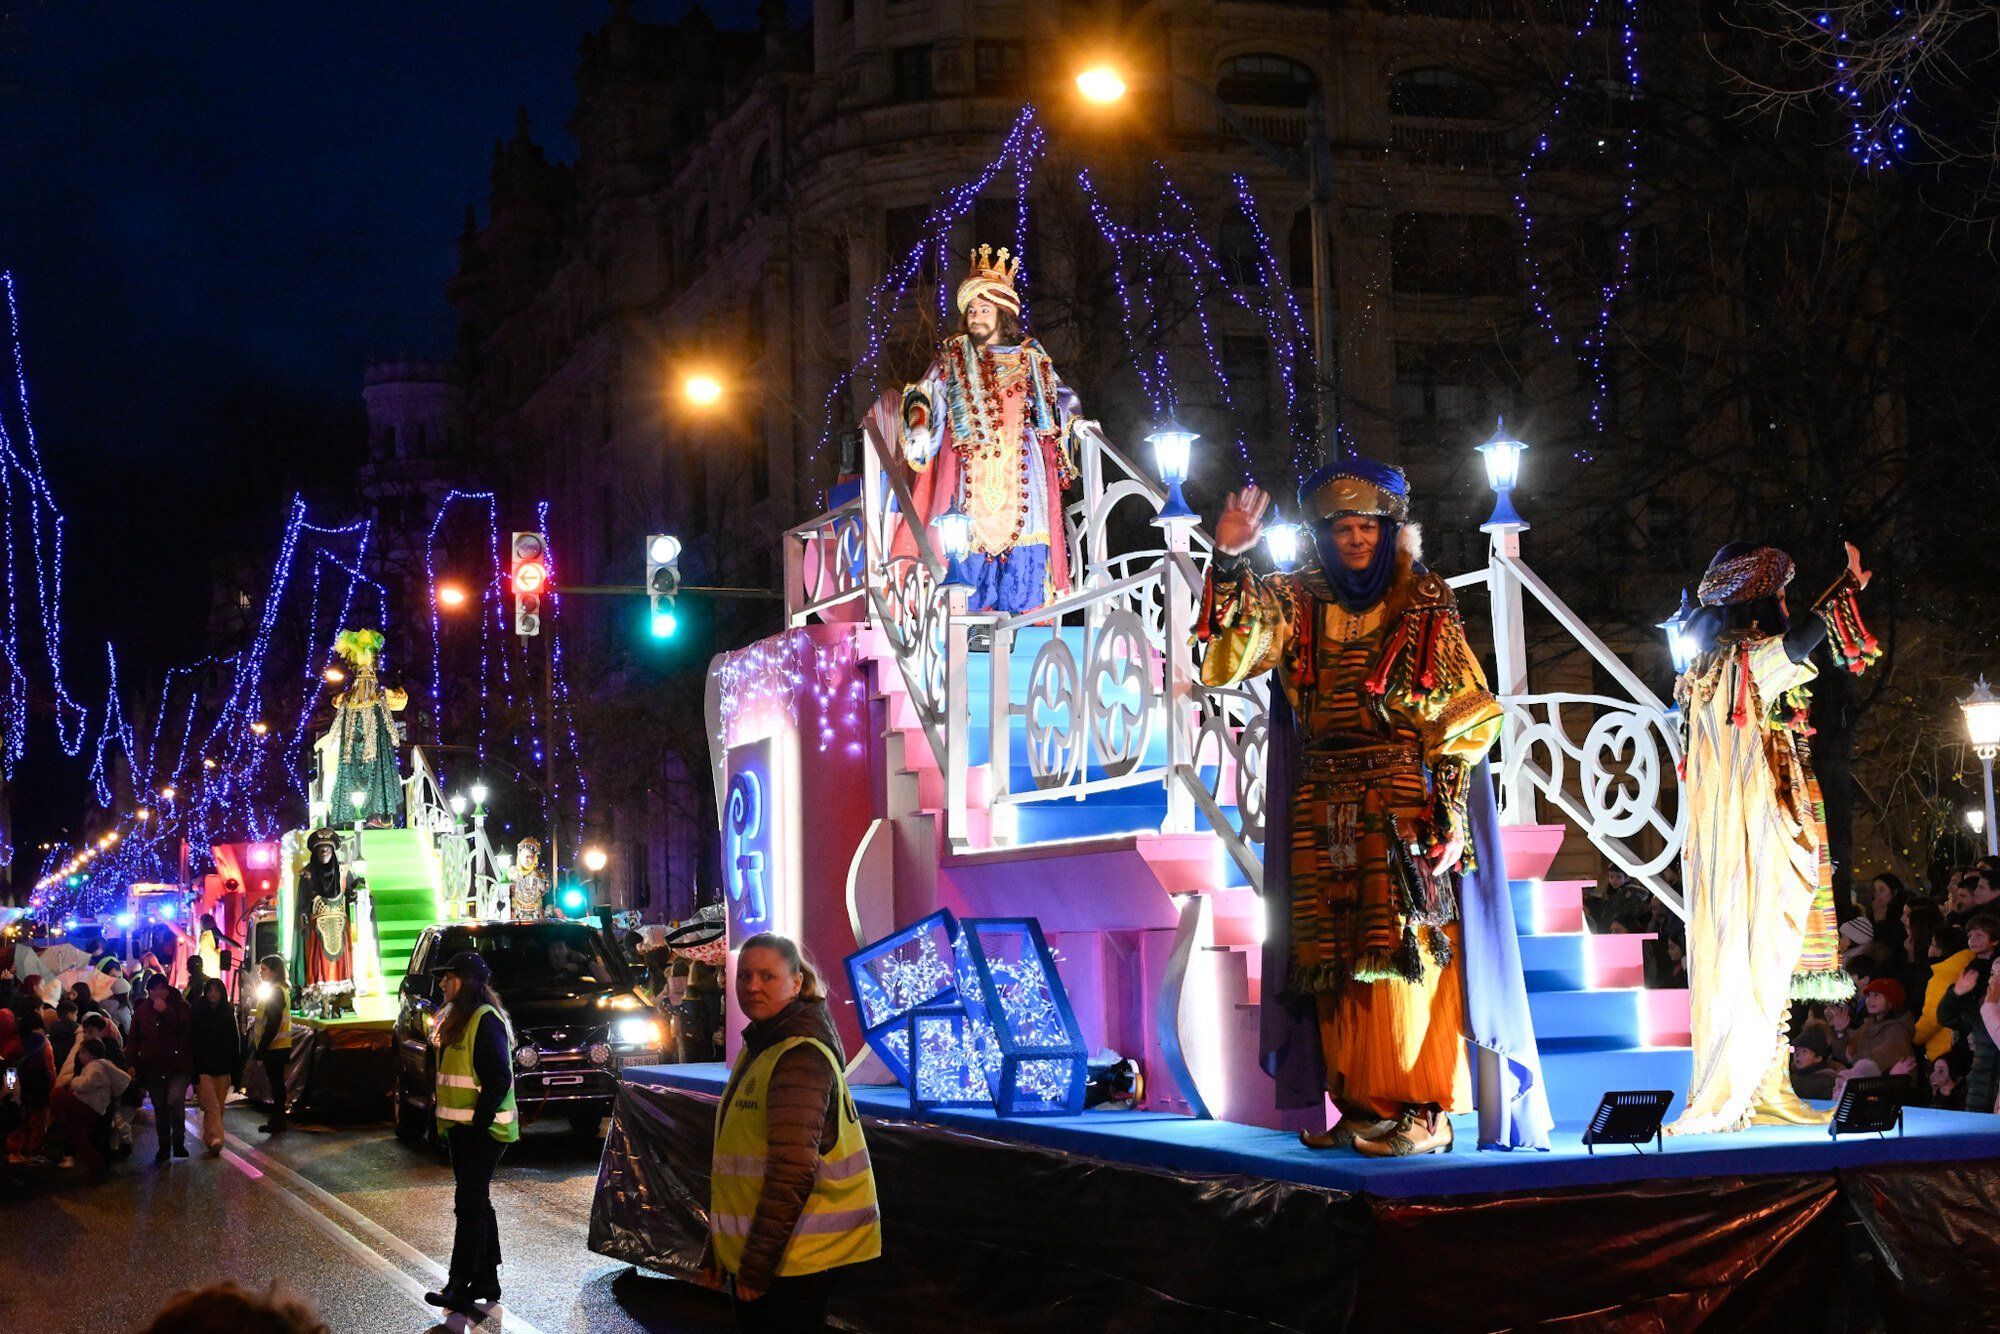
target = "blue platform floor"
x: 1182, y: 1144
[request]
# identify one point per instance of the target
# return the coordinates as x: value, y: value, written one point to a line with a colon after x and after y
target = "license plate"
x: 557, y: 1081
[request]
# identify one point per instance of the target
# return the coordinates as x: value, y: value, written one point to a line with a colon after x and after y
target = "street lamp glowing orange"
x: 259, y: 728
x: 333, y: 676
x: 702, y: 390
x: 1100, y: 85
x: 450, y: 596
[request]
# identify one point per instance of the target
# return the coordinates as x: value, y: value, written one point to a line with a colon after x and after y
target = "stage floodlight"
x: 1629, y: 1116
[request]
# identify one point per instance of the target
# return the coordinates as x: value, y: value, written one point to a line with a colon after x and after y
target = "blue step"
x: 1555, y: 962
x: 1613, y: 1013
x: 1578, y: 1077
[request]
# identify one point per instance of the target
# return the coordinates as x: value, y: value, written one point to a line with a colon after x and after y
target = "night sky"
x: 217, y: 214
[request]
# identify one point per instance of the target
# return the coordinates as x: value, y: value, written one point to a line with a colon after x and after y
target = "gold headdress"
x: 993, y: 279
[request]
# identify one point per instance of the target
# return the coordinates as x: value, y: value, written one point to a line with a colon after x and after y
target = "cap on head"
x: 1354, y: 485
x: 1743, y: 573
x: 1889, y: 989
x: 468, y: 965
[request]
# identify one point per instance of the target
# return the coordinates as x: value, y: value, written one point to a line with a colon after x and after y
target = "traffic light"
x: 530, y: 575
x: 573, y: 900
x: 663, y: 581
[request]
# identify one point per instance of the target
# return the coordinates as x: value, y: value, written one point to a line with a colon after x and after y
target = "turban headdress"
x: 992, y: 279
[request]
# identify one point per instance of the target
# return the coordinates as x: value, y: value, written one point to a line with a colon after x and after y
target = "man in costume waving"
x: 1377, y: 735
x: 1760, y: 921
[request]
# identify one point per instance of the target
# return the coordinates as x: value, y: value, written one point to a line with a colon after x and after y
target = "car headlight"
x: 599, y: 1053
x: 526, y: 1057
x: 636, y: 1032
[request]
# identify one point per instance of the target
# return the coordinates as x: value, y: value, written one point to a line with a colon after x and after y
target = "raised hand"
x: 1242, y: 521
x: 1861, y: 576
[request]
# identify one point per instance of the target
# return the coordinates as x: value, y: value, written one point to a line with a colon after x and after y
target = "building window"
x: 847, y: 11
x: 1443, y: 388
x: 760, y: 457
x: 760, y: 173
x: 1265, y: 81
x: 694, y: 245
x: 1299, y: 248
x: 1246, y: 363
x: 999, y: 68
x: 1440, y: 94
x: 837, y: 275
x: 1239, y: 254
x: 994, y: 221
x: 910, y: 73
x: 1453, y: 254
x: 904, y: 230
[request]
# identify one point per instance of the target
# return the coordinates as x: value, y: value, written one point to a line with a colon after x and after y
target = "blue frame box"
x: 1006, y: 970
x: 903, y: 972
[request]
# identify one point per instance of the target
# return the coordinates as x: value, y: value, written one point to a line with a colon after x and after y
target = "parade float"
x: 996, y: 815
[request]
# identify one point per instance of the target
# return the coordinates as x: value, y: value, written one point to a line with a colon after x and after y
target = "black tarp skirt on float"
x: 984, y: 1234
x: 338, y: 1073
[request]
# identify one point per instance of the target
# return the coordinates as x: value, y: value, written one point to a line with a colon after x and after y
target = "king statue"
x: 990, y: 432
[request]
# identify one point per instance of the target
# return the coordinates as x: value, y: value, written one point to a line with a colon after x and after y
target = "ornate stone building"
x: 737, y: 194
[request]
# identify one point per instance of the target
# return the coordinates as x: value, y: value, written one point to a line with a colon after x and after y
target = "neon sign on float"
x: 759, y: 835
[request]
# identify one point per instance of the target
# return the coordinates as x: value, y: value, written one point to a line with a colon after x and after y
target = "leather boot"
x: 1355, y: 1123
x: 1419, y: 1130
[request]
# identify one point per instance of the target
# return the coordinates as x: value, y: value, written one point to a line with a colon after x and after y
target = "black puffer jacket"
x: 800, y: 1126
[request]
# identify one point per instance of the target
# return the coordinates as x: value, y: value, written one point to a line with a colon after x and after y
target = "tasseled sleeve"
x: 1247, y: 621
x: 1428, y: 675
x: 1839, y: 609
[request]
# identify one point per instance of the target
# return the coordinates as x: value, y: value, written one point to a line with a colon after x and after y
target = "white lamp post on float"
x: 1982, y: 727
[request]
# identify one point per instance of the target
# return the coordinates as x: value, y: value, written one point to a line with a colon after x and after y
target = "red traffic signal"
x: 529, y: 572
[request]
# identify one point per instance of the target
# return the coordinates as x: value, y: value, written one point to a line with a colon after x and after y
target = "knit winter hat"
x: 1889, y: 988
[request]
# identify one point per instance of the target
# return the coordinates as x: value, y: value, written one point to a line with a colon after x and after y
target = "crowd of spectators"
x: 1927, y: 1004
x: 1926, y: 1007
x: 86, y: 1043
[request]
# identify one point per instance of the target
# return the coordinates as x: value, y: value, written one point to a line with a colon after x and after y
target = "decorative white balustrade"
x: 465, y: 858
x: 1111, y: 693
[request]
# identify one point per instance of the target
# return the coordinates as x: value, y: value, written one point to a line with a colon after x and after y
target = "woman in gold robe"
x: 1393, y: 712
x: 1760, y: 916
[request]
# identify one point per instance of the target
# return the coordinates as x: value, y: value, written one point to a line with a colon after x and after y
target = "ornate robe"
x: 1761, y: 930
x: 367, y: 751
x: 1394, y: 712
x: 1001, y: 446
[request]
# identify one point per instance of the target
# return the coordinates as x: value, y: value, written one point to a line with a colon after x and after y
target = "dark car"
x: 577, y: 1014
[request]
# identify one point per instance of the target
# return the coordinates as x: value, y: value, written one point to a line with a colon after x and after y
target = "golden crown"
x: 995, y: 265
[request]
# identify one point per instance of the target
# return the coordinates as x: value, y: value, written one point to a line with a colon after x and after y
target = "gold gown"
x: 1393, y: 711
x: 1752, y: 865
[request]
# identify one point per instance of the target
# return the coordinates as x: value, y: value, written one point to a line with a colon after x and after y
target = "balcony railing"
x: 1113, y: 697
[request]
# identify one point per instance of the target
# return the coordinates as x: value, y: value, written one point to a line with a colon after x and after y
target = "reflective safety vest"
x: 839, y: 1225
x: 283, y: 1001
x: 458, y: 1084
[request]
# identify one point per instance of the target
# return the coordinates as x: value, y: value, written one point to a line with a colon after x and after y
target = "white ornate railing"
x: 470, y: 886
x: 1111, y: 693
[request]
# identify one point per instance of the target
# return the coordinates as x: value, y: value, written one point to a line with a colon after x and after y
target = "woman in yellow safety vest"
x: 792, y: 1197
x: 474, y: 1105
x: 271, y: 1035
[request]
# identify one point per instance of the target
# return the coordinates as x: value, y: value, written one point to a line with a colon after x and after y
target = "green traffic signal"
x: 665, y: 624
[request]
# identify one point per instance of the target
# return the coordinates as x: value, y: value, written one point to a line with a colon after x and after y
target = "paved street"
x: 354, y: 1222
